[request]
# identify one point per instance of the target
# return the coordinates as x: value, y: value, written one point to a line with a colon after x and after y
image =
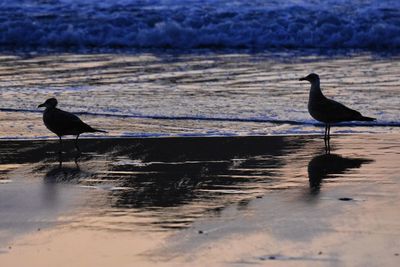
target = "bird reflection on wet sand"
x: 64, y: 173
x: 330, y: 165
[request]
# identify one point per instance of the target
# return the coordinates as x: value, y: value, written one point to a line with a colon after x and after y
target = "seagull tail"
x: 99, y: 131
x: 93, y: 130
x: 89, y: 129
x: 363, y: 118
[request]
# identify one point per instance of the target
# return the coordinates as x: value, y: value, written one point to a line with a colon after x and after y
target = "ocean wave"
x: 73, y: 24
x: 382, y: 123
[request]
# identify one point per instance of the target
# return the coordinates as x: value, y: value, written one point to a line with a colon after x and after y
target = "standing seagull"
x: 327, y: 110
x: 64, y: 123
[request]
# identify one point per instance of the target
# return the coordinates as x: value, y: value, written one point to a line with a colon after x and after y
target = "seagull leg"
x: 76, y: 144
x: 325, y: 143
x: 327, y: 147
x: 328, y: 141
x: 60, y: 147
x: 329, y: 132
x: 78, y: 155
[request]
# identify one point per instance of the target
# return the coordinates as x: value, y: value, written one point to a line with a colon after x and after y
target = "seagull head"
x: 49, y: 103
x: 312, y: 78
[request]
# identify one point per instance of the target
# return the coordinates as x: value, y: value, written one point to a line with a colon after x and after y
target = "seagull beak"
x: 41, y: 105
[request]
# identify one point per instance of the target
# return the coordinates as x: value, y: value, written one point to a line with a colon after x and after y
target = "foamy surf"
x: 81, y: 25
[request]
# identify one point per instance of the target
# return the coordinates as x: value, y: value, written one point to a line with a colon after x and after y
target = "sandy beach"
x: 218, y: 201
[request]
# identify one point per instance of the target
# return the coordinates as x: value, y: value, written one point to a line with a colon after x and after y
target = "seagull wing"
x: 337, y: 112
x: 67, y: 123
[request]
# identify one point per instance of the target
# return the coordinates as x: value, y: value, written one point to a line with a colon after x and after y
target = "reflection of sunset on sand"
x: 201, y: 201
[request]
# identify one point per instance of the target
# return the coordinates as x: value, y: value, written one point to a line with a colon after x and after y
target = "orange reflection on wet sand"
x: 231, y: 201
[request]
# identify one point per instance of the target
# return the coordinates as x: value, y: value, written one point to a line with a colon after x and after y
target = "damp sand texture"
x: 223, y: 201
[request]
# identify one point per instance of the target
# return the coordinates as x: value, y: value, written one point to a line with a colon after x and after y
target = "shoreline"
x: 190, y: 136
x: 310, y: 122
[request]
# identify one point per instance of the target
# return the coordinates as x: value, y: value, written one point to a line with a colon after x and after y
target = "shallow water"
x: 192, y: 94
x: 168, y: 201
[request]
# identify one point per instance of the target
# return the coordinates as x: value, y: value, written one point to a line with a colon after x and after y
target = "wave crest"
x: 200, y: 24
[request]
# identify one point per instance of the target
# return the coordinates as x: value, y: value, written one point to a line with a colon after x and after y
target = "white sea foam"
x: 76, y: 24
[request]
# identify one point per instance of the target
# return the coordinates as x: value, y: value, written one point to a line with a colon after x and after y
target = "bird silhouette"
x: 63, y: 123
x: 327, y: 110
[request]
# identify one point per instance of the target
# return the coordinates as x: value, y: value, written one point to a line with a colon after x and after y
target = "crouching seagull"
x: 327, y: 110
x: 63, y: 123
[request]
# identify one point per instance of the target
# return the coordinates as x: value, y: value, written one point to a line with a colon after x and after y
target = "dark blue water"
x: 88, y: 24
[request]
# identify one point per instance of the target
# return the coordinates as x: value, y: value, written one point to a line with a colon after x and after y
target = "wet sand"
x: 217, y: 201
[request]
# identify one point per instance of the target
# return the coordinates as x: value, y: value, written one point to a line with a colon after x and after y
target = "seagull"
x: 327, y: 110
x: 63, y: 123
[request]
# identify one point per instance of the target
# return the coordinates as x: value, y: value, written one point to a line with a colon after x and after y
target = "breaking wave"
x: 88, y: 24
